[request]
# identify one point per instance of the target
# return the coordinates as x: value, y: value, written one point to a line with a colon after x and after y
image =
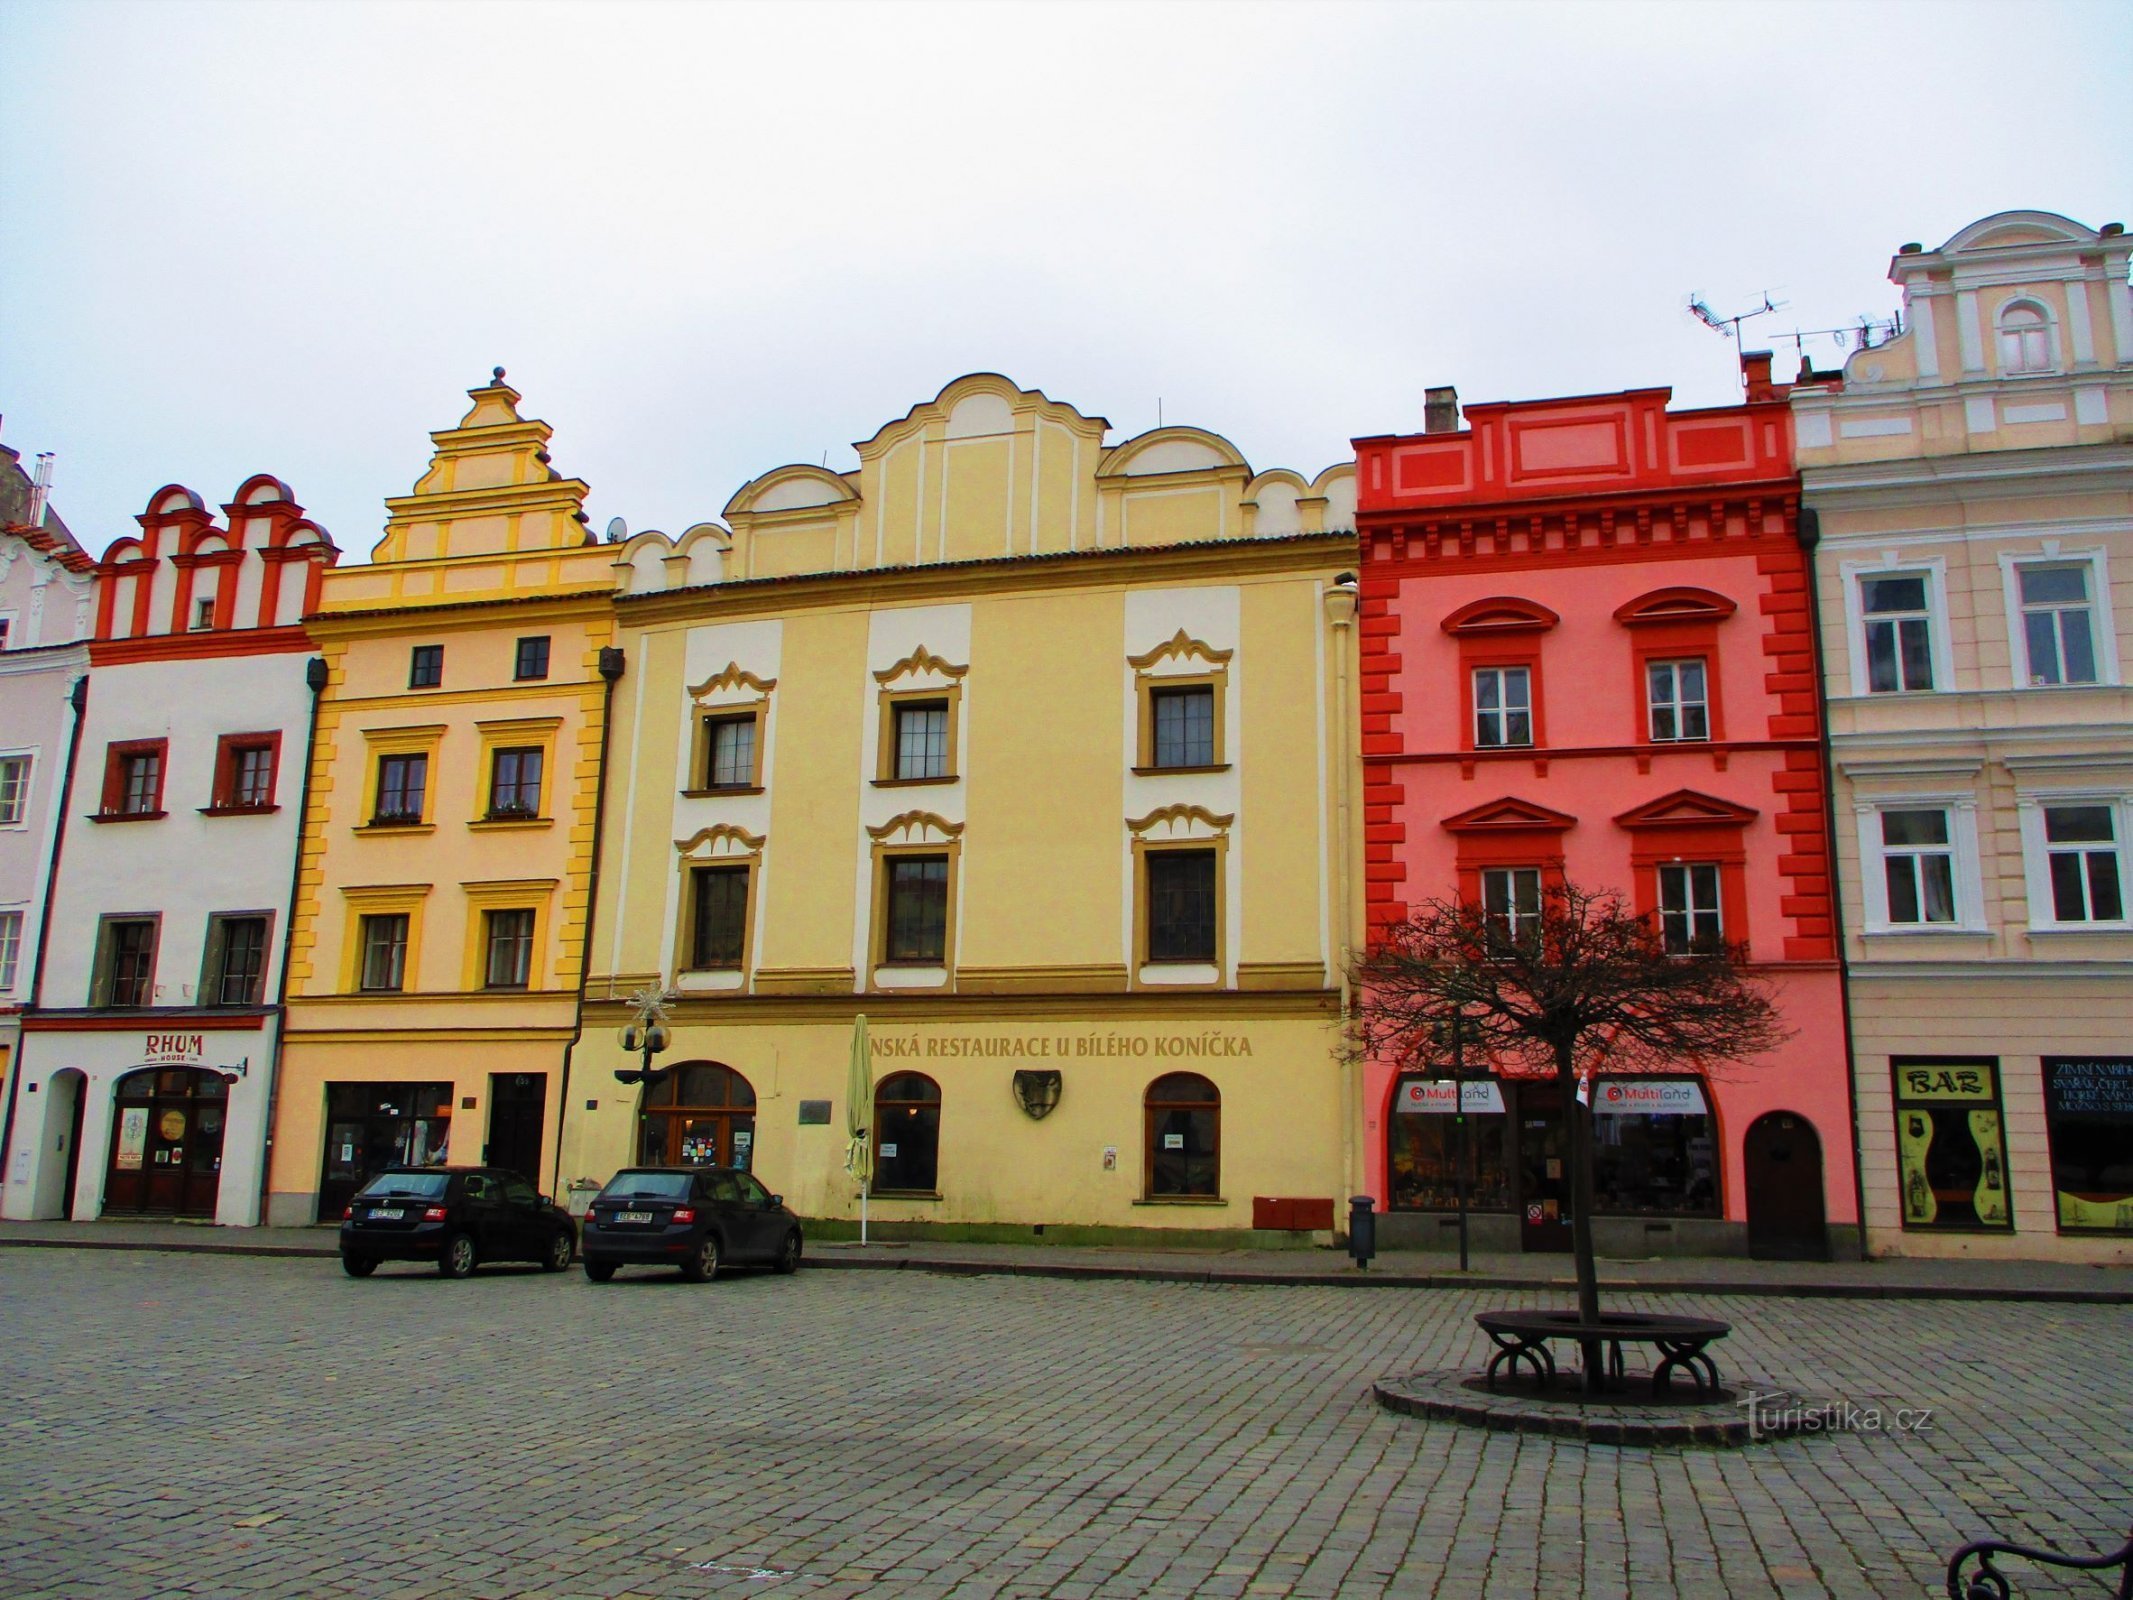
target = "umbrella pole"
x: 862, y: 1213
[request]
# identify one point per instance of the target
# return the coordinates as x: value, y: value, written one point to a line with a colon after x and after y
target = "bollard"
x: 1362, y: 1230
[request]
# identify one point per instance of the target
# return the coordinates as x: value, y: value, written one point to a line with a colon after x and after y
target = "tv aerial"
x: 617, y: 530
x: 1730, y: 326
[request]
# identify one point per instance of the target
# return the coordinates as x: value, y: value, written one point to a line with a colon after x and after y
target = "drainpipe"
x: 1340, y: 604
x: 612, y: 659
x: 1810, y: 536
x: 78, y: 698
x: 315, y: 676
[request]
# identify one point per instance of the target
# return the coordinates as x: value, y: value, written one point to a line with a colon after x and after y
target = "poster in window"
x: 2088, y: 1114
x: 1951, y: 1144
x: 133, y: 1137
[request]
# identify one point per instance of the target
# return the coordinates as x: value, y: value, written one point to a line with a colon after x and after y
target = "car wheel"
x: 702, y: 1267
x: 359, y: 1266
x: 457, y: 1260
x: 560, y: 1249
x: 599, y: 1271
x: 789, y: 1253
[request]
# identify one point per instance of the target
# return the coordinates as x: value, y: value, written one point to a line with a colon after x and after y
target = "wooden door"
x: 1782, y: 1165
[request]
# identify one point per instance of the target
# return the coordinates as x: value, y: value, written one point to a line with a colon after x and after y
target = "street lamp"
x: 1452, y: 1034
x: 645, y: 1038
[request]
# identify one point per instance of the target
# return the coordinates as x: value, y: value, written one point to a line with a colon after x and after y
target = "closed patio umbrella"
x: 859, y: 1117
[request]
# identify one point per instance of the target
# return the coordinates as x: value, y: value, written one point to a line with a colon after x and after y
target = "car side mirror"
x: 774, y: 1202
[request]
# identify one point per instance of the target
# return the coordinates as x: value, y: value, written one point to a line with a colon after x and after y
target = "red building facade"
x: 1588, y: 653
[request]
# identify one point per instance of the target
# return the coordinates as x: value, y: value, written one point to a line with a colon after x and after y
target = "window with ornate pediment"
x: 1674, y: 663
x: 1508, y: 853
x: 732, y: 712
x: 714, y: 943
x: 1500, y: 663
x: 1181, y: 689
x: 919, y: 739
x: 1688, y: 863
x: 912, y: 936
x: 1180, y: 897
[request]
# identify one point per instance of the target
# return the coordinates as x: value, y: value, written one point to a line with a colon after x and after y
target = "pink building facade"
x: 1587, y: 654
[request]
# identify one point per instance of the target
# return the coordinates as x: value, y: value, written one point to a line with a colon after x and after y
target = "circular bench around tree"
x: 1523, y: 1336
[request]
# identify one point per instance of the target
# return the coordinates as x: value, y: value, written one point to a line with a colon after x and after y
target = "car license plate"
x: 633, y: 1216
x: 394, y: 1214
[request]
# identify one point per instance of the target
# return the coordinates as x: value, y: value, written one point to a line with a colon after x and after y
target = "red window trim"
x: 1501, y: 631
x: 1508, y: 833
x: 115, y: 754
x: 227, y: 562
x: 1686, y: 827
x: 225, y: 802
x: 1676, y: 624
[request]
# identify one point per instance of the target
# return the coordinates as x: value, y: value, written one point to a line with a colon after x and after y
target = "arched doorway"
x: 1781, y: 1160
x: 907, y: 1134
x: 701, y: 1116
x: 1183, y: 1146
x: 166, y: 1143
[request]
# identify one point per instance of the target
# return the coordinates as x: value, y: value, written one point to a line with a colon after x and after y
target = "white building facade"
x: 147, y: 1064
x: 1973, y: 483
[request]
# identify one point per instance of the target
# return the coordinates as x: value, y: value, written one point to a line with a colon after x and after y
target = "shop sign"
x: 1423, y: 1097
x: 1077, y: 1044
x: 2088, y: 1111
x: 133, y: 1138
x: 1670, y: 1098
x: 1951, y: 1144
x: 1944, y: 1083
x: 187, y: 1050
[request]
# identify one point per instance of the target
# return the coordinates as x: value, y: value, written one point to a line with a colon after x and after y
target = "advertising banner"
x: 1648, y: 1097
x: 1441, y: 1096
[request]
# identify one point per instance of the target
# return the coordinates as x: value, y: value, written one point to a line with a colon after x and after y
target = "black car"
x: 457, y: 1217
x: 696, y: 1218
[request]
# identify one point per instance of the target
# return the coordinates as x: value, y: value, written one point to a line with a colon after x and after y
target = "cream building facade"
x: 1031, y: 748
x: 447, y: 845
x: 1973, y: 480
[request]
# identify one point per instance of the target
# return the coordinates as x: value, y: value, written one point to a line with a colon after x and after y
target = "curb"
x: 1444, y: 1397
x: 1096, y: 1272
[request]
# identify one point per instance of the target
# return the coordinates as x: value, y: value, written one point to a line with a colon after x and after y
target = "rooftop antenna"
x: 1158, y: 411
x: 40, y: 489
x: 617, y: 530
x: 1864, y: 334
x: 1730, y: 326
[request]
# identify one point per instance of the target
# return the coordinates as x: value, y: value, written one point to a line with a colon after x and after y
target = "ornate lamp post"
x: 646, y: 1037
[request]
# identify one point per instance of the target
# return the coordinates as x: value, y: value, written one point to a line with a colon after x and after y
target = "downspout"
x: 78, y: 698
x: 1810, y: 537
x: 1340, y: 604
x: 612, y: 659
x: 316, y: 673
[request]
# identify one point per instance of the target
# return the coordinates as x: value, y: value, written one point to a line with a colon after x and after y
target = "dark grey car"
x: 696, y: 1218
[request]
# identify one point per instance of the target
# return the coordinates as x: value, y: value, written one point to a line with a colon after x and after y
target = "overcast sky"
x: 709, y: 240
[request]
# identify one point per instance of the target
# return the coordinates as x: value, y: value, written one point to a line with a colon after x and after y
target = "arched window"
x: 907, y: 1135
x: 702, y: 1116
x: 2025, y: 339
x: 1184, y: 1143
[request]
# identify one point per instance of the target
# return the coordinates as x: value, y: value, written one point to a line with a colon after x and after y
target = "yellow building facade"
x: 1032, y: 748
x: 446, y: 868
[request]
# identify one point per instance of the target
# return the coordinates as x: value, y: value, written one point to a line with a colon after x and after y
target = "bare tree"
x: 1583, y: 984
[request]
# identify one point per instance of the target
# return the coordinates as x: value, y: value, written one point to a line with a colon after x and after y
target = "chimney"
x: 1440, y: 410
x: 1755, y: 370
x: 40, y: 490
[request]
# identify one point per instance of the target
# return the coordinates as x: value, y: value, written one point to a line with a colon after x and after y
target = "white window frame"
x: 11, y: 948
x: 2050, y: 331
x: 1679, y: 704
x: 1961, y: 807
x: 29, y: 783
x: 2050, y: 554
x: 1503, y: 711
x: 1515, y: 919
x: 2036, y: 865
x: 1889, y: 565
x: 1690, y: 910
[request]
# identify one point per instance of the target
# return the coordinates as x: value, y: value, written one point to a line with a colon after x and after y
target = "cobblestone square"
x: 211, y: 1425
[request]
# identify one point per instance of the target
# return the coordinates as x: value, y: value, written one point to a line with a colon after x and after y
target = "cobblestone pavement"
x: 223, y: 1425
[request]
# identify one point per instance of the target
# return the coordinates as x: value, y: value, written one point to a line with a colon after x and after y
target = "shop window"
x: 2088, y: 1112
x: 1511, y: 901
x: 515, y: 782
x: 2025, y: 338
x: 1184, y: 1138
x: 425, y: 666
x: 915, y: 910
x: 907, y: 1135
x: 507, y: 944
x: 125, y: 962
x: 166, y: 1147
x: 1184, y: 904
x: 731, y: 749
x: 384, y: 952
x: 530, y: 660
x: 1503, y: 707
x: 702, y: 1115
x: 10, y: 950
x: 1424, y: 1146
x: 372, y: 1126
x: 1951, y: 1146
x: 244, y: 772
x: 403, y: 782
x: 1678, y: 701
x: 921, y: 733
x: 133, y: 779
x: 718, y: 918
x: 14, y: 790
x: 1690, y: 916
x: 234, y: 971
x: 1653, y: 1149
x: 2058, y: 623
x: 1898, y: 630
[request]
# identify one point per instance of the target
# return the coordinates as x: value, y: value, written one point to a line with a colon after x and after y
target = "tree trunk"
x: 1581, y: 1212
